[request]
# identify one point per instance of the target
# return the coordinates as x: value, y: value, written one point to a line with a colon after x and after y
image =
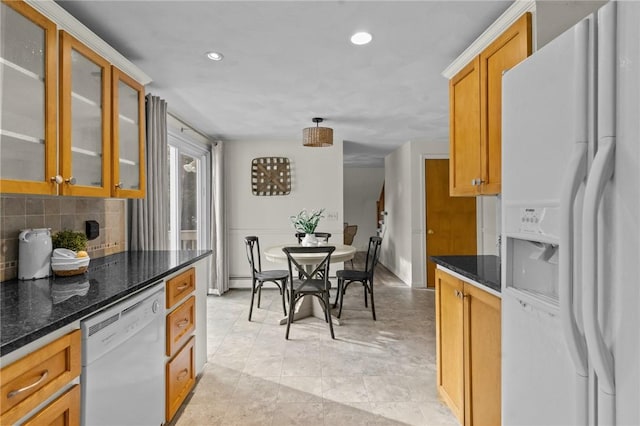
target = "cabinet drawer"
x: 180, y: 324
x: 64, y: 411
x: 180, y: 378
x: 34, y: 378
x: 179, y: 286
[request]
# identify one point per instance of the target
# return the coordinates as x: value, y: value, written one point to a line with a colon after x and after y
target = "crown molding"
x: 65, y: 21
x: 505, y: 20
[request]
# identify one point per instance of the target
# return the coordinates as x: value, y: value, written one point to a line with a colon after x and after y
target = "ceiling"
x: 286, y: 62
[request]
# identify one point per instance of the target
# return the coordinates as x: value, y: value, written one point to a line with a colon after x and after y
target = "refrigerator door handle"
x: 576, y: 344
x: 601, y: 172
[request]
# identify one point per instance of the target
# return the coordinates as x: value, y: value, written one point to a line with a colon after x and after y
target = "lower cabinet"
x: 64, y: 411
x: 36, y: 377
x: 180, y: 378
x: 468, y: 340
x: 180, y: 373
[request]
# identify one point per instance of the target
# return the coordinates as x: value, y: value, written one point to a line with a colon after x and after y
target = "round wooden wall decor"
x: 270, y: 176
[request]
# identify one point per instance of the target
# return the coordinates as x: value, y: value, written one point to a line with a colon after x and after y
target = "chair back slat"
x: 373, y: 254
x: 322, y: 265
x: 252, y: 245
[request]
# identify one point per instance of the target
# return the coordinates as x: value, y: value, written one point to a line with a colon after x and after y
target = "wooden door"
x: 450, y: 342
x: 464, y: 130
x: 513, y: 46
x: 450, y: 221
x: 482, y: 371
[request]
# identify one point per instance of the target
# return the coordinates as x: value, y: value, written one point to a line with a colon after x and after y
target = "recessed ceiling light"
x: 361, y: 38
x: 215, y: 56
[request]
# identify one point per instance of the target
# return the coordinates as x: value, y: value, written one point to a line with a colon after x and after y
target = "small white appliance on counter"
x: 570, y: 211
x: 34, y: 253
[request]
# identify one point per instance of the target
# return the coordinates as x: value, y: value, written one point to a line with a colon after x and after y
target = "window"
x: 189, y: 193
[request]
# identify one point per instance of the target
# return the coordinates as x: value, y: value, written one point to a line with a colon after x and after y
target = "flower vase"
x: 309, y: 240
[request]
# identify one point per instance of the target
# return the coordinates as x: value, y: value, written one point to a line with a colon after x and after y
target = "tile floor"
x: 374, y: 373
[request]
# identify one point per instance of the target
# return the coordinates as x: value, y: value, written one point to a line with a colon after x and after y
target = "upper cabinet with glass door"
x: 85, y: 115
x: 28, y: 105
x: 128, y: 136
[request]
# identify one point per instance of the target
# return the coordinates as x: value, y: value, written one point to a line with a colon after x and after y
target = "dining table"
x: 308, y: 305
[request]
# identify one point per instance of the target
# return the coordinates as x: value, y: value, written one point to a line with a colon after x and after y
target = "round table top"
x: 342, y: 253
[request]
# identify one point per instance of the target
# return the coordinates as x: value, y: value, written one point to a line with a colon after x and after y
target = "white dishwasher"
x: 123, y: 362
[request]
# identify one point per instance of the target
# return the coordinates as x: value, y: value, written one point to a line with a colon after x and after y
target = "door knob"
x: 430, y: 232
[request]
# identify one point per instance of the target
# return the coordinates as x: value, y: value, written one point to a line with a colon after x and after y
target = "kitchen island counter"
x: 482, y: 271
x: 34, y: 308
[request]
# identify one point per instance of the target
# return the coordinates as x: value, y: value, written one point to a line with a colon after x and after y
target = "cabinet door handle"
x: 119, y: 185
x: 57, y: 179
x: 182, y: 374
x: 42, y: 378
x: 182, y: 287
x: 71, y: 180
x: 183, y: 323
x: 430, y: 232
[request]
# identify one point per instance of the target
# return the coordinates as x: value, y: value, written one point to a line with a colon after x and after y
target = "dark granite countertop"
x: 484, y: 270
x: 35, y: 308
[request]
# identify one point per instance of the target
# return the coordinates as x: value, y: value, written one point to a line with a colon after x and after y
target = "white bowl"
x: 62, y: 253
x: 80, y: 262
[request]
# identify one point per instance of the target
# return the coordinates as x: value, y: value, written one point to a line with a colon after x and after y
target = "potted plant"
x: 307, y: 222
x: 76, y: 241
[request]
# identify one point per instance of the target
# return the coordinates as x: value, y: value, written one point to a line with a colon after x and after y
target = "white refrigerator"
x: 570, y: 222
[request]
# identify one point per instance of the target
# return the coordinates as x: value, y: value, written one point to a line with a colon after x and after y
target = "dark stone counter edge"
x: 10, y: 346
x: 482, y: 281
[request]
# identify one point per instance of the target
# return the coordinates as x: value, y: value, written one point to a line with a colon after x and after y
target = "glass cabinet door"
x: 128, y: 135
x: 28, y: 100
x: 85, y: 106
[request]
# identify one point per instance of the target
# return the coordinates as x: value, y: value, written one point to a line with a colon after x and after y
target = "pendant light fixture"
x: 317, y: 136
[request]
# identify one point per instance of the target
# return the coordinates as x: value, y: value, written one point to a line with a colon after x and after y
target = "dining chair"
x: 349, y: 234
x: 365, y: 277
x: 258, y: 277
x: 313, y: 281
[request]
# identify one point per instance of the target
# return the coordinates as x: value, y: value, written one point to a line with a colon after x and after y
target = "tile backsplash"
x: 19, y: 212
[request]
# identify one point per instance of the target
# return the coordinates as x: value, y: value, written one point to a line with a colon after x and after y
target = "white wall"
x: 362, y: 188
x: 317, y: 182
x: 403, y: 248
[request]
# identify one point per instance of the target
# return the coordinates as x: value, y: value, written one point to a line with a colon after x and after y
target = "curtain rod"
x: 190, y: 128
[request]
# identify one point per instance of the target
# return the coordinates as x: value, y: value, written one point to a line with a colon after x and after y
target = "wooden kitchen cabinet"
x: 482, y: 365
x: 28, y: 64
x: 464, y: 130
x: 58, y: 97
x: 180, y: 338
x: 85, y: 114
x: 468, y: 342
x: 64, y: 411
x: 31, y: 380
x: 475, y: 97
x: 128, y: 136
x: 449, y: 342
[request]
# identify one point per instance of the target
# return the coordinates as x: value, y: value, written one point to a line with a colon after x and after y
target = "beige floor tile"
x: 298, y: 414
x: 349, y: 414
x: 387, y: 388
x: 300, y: 389
x: 373, y: 373
x: 344, y: 389
x: 251, y: 388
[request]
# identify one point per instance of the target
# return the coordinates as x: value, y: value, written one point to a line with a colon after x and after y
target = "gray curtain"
x: 219, y: 282
x: 149, y: 217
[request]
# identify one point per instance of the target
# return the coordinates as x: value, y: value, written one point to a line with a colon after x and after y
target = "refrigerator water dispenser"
x: 532, y: 268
